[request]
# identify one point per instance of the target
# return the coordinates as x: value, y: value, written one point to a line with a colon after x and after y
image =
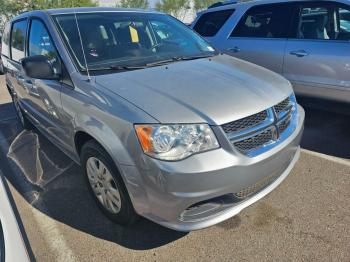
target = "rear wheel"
x: 106, y: 184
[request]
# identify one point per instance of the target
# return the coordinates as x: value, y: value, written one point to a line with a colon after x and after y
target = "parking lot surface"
x: 307, y: 218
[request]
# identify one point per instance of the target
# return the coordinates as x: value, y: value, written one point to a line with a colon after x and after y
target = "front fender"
x: 122, y: 146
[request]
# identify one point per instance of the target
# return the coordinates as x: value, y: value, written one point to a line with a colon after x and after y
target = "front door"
x: 45, y: 95
x: 317, y: 58
x: 260, y: 36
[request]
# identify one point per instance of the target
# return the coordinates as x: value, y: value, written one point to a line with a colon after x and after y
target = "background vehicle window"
x: 40, y: 43
x: 209, y: 24
x: 344, y: 16
x: 324, y: 22
x: 268, y: 21
x: 18, y: 37
x: 6, y: 41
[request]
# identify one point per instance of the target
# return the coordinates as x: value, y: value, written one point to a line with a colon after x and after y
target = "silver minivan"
x: 163, y: 125
x: 305, y: 41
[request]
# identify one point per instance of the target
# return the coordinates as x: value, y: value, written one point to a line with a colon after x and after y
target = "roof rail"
x: 222, y: 3
x: 23, y: 12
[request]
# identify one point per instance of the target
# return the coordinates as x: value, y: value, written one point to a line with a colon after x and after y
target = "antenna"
x: 82, y: 48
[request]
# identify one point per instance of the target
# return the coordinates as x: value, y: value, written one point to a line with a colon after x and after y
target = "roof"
x: 95, y: 9
x: 234, y: 4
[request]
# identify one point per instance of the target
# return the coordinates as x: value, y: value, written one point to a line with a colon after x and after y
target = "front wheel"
x: 106, y: 184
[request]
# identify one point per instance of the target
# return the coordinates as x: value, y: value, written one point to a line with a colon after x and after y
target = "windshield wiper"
x: 161, y: 62
x: 118, y: 68
x: 176, y: 59
x: 156, y: 63
x: 186, y: 58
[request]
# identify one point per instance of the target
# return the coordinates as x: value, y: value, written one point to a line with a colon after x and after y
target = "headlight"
x: 175, y: 142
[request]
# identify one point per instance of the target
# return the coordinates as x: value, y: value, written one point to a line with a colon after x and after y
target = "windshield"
x: 128, y: 39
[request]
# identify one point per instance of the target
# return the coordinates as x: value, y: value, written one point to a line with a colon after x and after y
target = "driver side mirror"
x: 39, y: 67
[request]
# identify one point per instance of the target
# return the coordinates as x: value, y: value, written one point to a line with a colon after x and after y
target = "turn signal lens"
x: 144, y: 134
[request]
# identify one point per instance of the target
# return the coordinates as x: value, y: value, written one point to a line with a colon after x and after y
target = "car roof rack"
x: 222, y: 3
x: 228, y: 2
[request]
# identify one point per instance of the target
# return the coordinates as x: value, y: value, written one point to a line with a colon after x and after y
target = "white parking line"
x: 338, y: 160
x: 53, y: 237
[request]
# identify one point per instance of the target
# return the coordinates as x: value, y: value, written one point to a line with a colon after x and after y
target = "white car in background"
x: 12, y: 247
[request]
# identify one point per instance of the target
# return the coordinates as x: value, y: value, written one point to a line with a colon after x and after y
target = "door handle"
x: 299, y: 53
x: 235, y: 49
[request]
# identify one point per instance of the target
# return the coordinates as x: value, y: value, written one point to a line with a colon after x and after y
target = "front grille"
x: 260, y: 132
x: 246, y: 192
x: 255, y: 142
x: 245, y: 123
x: 283, y: 106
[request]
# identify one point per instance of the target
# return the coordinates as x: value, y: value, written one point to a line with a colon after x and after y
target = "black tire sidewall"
x: 126, y: 215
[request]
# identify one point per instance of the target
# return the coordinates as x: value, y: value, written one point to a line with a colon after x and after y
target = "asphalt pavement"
x: 307, y: 218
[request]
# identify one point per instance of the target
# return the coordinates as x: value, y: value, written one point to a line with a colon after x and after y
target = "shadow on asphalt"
x: 327, y: 127
x: 53, y: 184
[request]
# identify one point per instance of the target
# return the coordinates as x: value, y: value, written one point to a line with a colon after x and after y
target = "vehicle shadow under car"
x: 327, y: 127
x: 53, y: 184
x: 50, y: 182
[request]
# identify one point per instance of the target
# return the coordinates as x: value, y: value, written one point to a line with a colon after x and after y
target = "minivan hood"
x: 215, y: 91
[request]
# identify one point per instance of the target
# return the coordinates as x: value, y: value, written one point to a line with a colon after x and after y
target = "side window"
x: 18, y: 37
x: 6, y: 40
x: 209, y: 24
x: 324, y: 22
x: 344, y: 20
x: 40, y: 43
x: 266, y: 21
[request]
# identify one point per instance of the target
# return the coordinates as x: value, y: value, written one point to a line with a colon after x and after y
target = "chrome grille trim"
x: 261, y: 136
x: 284, y: 123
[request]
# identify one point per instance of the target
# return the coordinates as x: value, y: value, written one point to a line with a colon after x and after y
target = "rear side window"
x: 18, y: 36
x: 323, y: 21
x: 6, y: 40
x: 267, y: 21
x: 209, y: 24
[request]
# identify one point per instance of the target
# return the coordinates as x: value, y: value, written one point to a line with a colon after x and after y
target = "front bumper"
x: 198, y: 192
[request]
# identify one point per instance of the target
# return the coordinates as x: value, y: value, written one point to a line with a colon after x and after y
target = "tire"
x: 92, y: 152
x: 26, y: 124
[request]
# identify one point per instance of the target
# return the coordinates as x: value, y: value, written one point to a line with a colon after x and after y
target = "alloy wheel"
x: 103, y: 185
